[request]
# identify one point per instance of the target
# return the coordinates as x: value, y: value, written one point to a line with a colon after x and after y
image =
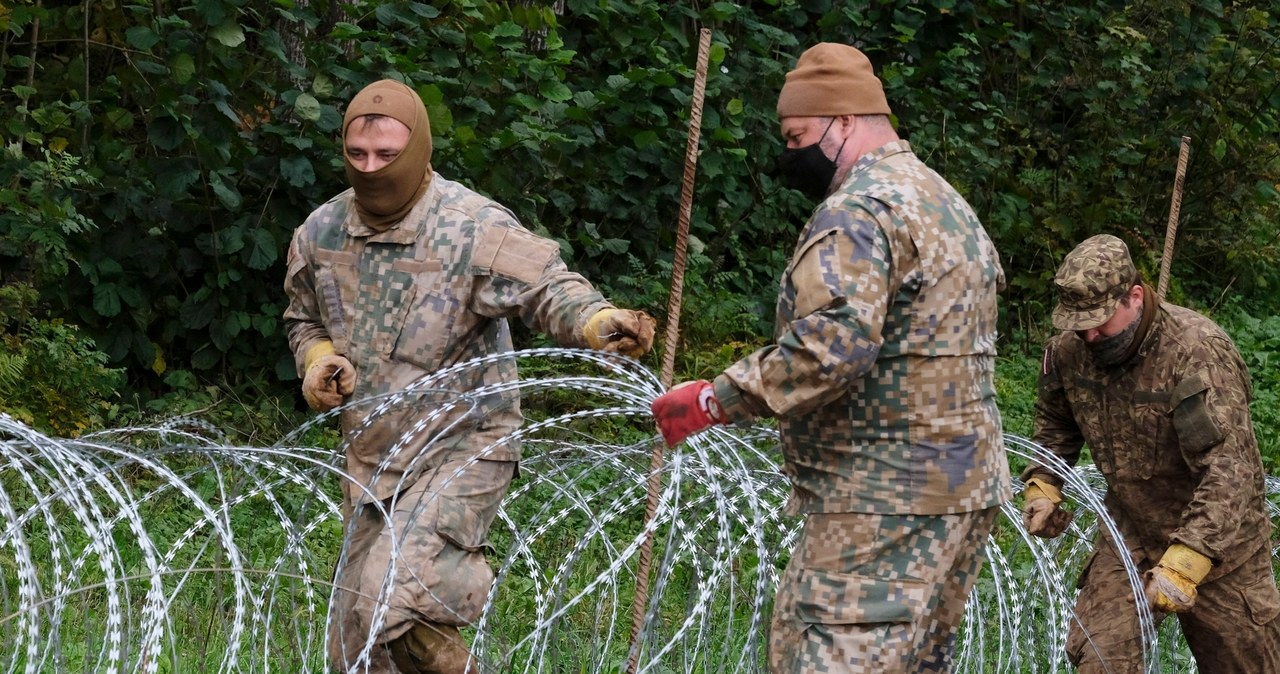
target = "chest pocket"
x: 1127, y: 429
x: 1154, y: 453
x: 426, y: 312
x: 337, y: 280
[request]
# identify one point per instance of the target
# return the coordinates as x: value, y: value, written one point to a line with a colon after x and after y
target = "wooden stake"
x: 1175, y: 205
x: 669, y: 350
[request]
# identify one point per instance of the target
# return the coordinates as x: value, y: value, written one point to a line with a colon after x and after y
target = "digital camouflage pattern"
x: 1171, y: 433
x: 882, y: 380
x: 432, y: 291
x: 418, y: 557
x: 876, y: 593
x: 882, y: 371
x: 403, y: 305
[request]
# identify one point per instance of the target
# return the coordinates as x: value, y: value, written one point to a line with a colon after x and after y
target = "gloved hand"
x: 687, y: 409
x: 623, y: 331
x: 1171, y: 585
x: 1040, y: 512
x: 327, y: 377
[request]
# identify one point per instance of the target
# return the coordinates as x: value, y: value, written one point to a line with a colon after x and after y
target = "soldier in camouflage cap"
x: 1161, y: 397
x: 881, y: 379
x: 390, y: 283
x: 1091, y: 282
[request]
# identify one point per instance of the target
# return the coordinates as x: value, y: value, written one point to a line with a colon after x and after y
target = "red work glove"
x: 686, y: 409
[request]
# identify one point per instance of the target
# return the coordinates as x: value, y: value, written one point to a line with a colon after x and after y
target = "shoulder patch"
x: 512, y: 253
x: 1050, y: 377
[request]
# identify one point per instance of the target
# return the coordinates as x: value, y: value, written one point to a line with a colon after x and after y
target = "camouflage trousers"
x: 876, y: 593
x: 1234, y: 627
x: 416, y: 558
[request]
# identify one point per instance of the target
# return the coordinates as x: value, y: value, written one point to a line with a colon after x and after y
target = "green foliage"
x: 199, y: 165
x: 38, y: 215
x: 1259, y: 342
x: 51, y: 376
x: 1016, y: 379
x: 159, y: 155
x: 249, y: 410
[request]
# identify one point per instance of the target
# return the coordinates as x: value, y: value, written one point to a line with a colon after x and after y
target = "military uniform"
x: 426, y: 476
x: 882, y: 381
x: 1170, y: 431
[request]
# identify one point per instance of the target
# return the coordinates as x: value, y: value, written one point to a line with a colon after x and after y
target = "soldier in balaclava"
x: 390, y: 283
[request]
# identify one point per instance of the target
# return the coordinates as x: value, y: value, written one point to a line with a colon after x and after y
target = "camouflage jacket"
x: 429, y: 292
x: 882, y: 369
x: 1169, y: 430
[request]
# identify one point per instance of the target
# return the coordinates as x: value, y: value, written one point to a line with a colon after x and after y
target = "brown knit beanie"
x: 388, y: 194
x: 830, y: 80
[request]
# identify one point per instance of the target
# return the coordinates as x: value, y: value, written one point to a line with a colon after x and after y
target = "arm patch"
x: 512, y: 253
x: 1196, y: 429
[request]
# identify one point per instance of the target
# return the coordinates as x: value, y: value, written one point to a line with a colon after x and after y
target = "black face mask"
x: 1111, y: 351
x: 808, y: 168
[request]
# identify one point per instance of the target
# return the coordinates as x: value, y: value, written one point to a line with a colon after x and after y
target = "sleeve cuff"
x: 732, y: 403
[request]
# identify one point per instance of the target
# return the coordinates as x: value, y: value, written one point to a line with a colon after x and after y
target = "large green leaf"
x: 229, y: 33
x: 307, y: 107
x: 183, y: 67
x: 297, y: 170
x: 106, y: 299
x: 142, y: 37
x: 262, y: 249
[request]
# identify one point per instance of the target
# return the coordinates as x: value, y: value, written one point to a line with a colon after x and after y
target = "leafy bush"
x: 51, y: 376
x: 38, y: 215
x: 206, y: 131
x: 1259, y: 342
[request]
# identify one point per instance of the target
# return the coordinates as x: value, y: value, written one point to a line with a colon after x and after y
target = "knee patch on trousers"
x: 432, y: 648
x: 842, y: 619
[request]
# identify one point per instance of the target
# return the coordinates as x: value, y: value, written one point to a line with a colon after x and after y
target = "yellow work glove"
x: 623, y: 331
x: 327, y: 377
x: 1171, y: 586
x: 1040, y: 512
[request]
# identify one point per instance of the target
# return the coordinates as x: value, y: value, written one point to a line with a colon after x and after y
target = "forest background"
x: 156, y: 156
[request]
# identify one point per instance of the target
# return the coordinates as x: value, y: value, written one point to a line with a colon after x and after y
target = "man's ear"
x: 847, y: 124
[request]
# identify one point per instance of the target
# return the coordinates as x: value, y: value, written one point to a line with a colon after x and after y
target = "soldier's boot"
x: 433, y: 648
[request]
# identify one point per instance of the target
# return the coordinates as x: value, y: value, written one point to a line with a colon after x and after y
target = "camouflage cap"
x: 1091, y: 281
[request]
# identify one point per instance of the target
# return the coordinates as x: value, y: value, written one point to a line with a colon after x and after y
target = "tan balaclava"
x: 830, y: 80
x: 385, y: 196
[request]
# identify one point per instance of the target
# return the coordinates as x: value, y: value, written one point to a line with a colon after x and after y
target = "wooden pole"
x: 1175, y: 205
x: 654, y: 484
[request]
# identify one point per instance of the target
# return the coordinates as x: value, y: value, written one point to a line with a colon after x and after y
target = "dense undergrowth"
x: 154, y: 158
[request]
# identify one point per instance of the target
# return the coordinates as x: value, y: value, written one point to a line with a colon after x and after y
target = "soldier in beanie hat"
x: 881, y: 379
x: 399, y: 277
x: 1161, y: 396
